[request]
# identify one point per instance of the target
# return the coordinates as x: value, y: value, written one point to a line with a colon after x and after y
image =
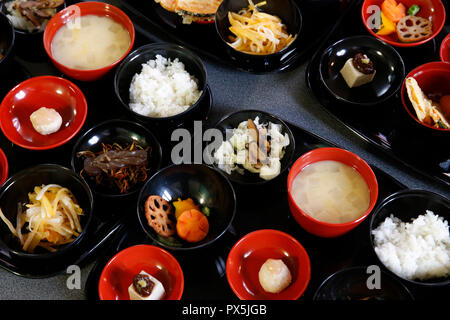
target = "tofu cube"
x: 157, y: 293
x: 353, y: 77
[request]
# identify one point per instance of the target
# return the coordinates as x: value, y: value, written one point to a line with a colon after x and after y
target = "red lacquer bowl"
x: 429, y: 9
x: 248, y: 255
x: 432, y: 78
x: 32, y: 94
x: 119, y: 272
x: 445, y: 49
x: 4, y: 168
x: 86, y: 8
x: 323, y: 229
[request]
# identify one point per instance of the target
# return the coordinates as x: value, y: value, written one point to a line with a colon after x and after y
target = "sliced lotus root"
x: 413, y: 29
x: 159, y: 214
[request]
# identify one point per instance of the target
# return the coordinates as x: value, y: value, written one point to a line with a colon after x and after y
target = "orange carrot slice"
x: 393, y: 11
x: 192, y: 226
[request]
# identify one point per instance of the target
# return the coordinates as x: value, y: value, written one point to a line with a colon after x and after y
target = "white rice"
x: 163, y: 89
x: 418, y: 250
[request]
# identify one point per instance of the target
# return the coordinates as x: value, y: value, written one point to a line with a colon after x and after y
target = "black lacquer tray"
x: 150, y: 17
x: 263, y: 207
x: 387, y: 125
x: 115, y: 225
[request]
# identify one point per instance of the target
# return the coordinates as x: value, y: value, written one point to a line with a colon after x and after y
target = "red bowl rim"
x: 403, y: 91
x: 5, y: 166
x: 150, y: 247
x: 75, y: 131
x: 306, y: 262
x: 327, y: 224
x: 401, y: 44
x: 82, y: 4
x: 445, y: 43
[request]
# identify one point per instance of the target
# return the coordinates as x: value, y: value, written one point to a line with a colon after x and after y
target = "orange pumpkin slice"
x: 192, y: 226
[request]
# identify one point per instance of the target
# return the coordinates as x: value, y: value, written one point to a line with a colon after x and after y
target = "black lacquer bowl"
x: 286, y: 10
x: 132, y: 65
x: 7, y: 40
x: 389, y: 66
x: 232, y: 121
x: 26, y: 39
x: 352, y: 284
x: 124, y: 133
x: 205, y: 186
x: 15, y: 190
x: 407, y: 205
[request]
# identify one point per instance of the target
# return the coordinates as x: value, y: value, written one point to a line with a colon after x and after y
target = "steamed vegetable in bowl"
x: 255, y: 147
x: 403, y: 22
x: 256, y: 32
x: 183, y: 218
x: 50, y: 219
x: 31, y: 16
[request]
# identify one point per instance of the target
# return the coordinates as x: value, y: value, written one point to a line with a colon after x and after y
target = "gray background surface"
x: 285, y: 95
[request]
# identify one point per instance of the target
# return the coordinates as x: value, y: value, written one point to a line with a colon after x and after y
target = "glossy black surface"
x: 259, y: 208
x: 15, y: 190
x: 351, y: 284
x: 123, y: 132
x: 233, y: 120
x: 387, y: 125
x: 390, y: 70
x: 7, y: 41
x: 407, y: 205
x: 203, y: 38
x: 286, y: 10
x: 203, y: 184
x: 132, y: 65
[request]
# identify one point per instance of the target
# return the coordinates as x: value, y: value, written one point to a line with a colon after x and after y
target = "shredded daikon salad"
x: 51, y: 219
x: 257, y: 32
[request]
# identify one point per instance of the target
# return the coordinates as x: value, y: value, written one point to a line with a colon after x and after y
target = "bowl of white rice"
x: 161, y: 83
x: 409, y: 234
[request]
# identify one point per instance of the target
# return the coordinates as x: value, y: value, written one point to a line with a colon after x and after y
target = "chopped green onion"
x: 206, y: 211
x: 413, y: 10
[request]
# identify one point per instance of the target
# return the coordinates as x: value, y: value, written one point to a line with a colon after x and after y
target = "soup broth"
x: 332, y: 192
x: 91, y: 43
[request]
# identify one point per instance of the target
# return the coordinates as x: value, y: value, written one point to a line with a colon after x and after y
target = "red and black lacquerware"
x: 119, y: 272
x: 124, y: 133
x: 206, y: 186
x: 157, y: 23
x: 232, y: 121
x: 388, y: 64
x: 132, y: 65
x: 350, y: 284
x: 251, y: 251
x: 386, y: 125
x: 445, y: 49
x: 44, y: 91
x: 407, y: 205
x: 432, y: 10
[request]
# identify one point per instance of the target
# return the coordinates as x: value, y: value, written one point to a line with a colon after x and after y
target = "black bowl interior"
x: 15, y: 190
x: 132, y: 65
x: 286, y: 10
x: 389, y: 66
x: 7, y: 37
x: 351, y: 284
x: 121, y: 132
x: 232, y: 121
x: 203, y: 184
x: 407, y: 205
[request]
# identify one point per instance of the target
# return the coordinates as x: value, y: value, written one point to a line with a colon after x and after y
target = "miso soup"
x: 92, y: 42
x: 332, y: 192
